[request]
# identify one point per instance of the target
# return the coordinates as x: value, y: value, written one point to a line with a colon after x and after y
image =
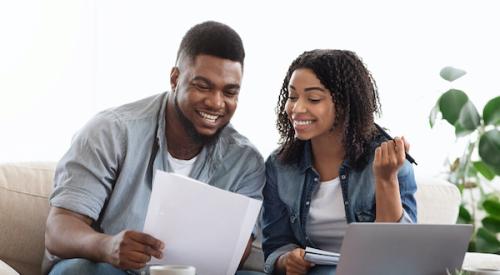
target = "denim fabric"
x: 84, y: 267
x: 323, y: 270
x: 107, y: 173
x: 288, y: 192
x: 248, y: 272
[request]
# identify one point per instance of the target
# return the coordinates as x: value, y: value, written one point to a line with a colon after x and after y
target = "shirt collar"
x: 306, y: 161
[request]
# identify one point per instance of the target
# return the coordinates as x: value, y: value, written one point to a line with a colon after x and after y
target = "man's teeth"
x: 302, y: 122
x: 209, y: 116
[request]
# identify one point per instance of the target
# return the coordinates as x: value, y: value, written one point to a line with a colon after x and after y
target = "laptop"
x: 409, y: 249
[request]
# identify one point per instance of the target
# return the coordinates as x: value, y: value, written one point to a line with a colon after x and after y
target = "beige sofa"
x: 25, y: 187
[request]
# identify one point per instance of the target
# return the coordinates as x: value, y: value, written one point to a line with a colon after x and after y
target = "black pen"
x: 385, y: 134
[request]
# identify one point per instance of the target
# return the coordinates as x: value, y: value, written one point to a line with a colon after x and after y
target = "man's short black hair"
x: 212, y: 38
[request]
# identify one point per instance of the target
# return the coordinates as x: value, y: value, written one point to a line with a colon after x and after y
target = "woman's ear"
x: 174, y: 77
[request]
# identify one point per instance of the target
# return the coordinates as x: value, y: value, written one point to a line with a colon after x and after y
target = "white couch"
x: 25, y: 187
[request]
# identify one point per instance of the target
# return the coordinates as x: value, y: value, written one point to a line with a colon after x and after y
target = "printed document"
x: 201, y: 225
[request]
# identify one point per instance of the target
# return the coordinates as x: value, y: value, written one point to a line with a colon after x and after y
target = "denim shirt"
x: 288, y: 192
x: 107, y: 173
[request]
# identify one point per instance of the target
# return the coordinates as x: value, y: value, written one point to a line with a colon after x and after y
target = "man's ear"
x: 174, y: 77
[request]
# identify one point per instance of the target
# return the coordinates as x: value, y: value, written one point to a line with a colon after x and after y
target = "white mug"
x: 172, y: 270
x: 482, y: 271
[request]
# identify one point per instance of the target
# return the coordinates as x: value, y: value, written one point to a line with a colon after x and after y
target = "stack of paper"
x: 322, y: 257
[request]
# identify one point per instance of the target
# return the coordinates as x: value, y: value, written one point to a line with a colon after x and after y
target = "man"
x: 103, y: 183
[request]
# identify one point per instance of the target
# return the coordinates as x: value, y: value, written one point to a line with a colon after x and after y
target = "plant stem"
x: 465, y: 176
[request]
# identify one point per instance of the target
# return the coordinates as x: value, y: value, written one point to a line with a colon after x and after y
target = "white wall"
x: 62, y: 61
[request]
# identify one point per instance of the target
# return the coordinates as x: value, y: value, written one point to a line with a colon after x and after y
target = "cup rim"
x: 172, y: 267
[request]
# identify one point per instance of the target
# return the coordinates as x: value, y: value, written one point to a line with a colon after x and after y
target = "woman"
x: 332, y: 167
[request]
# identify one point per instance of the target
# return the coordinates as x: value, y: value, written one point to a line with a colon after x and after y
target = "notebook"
x: 409, y: 249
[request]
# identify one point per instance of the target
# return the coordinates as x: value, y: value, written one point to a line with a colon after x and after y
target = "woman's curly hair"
x: 354, y: 94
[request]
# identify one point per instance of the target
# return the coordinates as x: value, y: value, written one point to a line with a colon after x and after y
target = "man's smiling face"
x: 206, y: 93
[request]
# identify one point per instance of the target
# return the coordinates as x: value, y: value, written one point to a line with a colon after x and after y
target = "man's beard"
x: 189, y: 128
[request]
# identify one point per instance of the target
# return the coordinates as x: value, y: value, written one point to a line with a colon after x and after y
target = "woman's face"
x: 309, y: 106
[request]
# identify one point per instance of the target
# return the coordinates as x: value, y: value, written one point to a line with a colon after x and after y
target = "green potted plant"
x: 475, y: 171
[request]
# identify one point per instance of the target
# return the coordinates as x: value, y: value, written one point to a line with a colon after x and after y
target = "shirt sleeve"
x: 86, y: 174
x: 278, y: 237
x: 253, y: 181
x: 407, y: 189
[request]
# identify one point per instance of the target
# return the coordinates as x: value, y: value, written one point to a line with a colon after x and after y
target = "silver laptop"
x: 403, y: 249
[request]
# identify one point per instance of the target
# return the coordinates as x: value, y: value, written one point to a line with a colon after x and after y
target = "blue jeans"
x: 83, y: 266
x: 323, y: 270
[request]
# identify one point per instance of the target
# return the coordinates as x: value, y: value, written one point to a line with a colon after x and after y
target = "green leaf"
x: 451, y: 73
x: 451, y: 103
x: 469, y: 117
x: 472, y: 245
x: 460, y: 130
x: 489, y: 149
x: 492, y: 207
x: 433, y: 114
x: 492, y: 224
x: 486, y: 241
x: 464, y: 215
x: 491, y: 112
x: 484, y: 170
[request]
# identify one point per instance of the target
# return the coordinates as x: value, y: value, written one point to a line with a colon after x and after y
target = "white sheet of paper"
x: 201, y: 225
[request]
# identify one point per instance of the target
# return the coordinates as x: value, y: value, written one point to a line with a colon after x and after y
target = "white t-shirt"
x: 181, y: 166
x: 326, y: 222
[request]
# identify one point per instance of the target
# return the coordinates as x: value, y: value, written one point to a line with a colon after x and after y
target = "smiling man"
x: 103, y: 183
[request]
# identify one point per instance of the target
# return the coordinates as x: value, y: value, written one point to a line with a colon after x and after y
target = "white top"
x: 181, y: 166
x: 326, y: 222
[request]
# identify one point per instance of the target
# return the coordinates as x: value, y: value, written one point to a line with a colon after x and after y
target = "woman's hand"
x: 389, y: 157
x: 293, y: 262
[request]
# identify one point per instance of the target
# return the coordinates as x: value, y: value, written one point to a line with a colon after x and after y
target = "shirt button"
x: 342, y: 177
x: 346, y: 203
x: 308, y: 202
x: 315, y: 179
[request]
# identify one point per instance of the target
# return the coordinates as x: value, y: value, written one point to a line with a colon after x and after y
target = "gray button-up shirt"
x: 107, y: 173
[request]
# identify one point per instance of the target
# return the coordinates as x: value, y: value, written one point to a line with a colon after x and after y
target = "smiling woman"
x: 308, y: 94
x: 333, y: 166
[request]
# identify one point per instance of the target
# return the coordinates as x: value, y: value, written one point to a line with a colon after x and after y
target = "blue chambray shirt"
x: 107, y: 173
x: 288, y: 192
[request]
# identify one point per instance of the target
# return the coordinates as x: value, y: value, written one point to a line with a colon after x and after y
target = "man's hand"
x: 132, y: 249
x: 293, y: 262
x: 70, y: 235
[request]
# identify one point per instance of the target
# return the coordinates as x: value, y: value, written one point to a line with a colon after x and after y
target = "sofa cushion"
x: 24, y: 191
x: 437, y: 201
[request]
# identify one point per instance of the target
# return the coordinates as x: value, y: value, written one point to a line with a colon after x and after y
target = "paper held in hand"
x: 322, y: 257
x: 201, y: 225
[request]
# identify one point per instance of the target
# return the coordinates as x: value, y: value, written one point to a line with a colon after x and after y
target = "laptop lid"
x: 410, y: 249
